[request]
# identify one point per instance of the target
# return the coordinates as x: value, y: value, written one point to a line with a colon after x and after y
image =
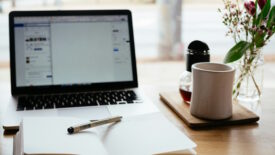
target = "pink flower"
x: 262, y: 3
x: 250, y: 7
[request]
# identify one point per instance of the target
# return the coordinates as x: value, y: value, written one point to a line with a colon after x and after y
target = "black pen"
x: 77, y: 128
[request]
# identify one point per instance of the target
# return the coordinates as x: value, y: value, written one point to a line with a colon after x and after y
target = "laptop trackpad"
x: 89, y: 113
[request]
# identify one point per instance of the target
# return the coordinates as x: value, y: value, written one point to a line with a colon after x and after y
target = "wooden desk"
x: 162, y: 76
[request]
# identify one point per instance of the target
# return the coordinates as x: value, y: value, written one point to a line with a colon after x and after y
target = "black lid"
x: 198, y: 51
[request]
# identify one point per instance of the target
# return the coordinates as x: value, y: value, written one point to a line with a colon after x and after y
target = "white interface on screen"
x: 66, y: 50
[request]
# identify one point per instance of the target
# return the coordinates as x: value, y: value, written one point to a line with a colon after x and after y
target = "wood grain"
x: 241, y: 115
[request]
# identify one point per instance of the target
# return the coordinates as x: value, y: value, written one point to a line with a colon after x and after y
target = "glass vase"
x: 248, y: 83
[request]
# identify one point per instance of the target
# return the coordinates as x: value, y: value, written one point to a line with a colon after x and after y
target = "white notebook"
x: 138, y: 135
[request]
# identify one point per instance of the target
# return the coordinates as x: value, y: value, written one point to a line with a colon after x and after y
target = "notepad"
x: 138, y: 135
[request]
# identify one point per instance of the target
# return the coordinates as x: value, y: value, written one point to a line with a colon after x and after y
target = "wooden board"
x: 241, y: 115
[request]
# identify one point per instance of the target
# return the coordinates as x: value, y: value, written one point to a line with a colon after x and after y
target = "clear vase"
x: 248, y: 83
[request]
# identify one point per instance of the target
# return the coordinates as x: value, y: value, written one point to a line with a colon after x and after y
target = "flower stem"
x: 255, y: 83
x: 246, y: 70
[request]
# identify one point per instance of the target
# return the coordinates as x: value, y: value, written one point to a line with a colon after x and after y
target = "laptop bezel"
x: 72, y: 88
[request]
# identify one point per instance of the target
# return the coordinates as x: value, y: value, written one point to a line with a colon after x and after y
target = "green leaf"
x: 266, y: 8
x: 259, y: 39
x: 271, y: 18
x: 254, y: 17
x: 263, y: 13
x: 237, y: 51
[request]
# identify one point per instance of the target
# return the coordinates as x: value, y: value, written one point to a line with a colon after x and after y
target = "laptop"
x: 73, y: 63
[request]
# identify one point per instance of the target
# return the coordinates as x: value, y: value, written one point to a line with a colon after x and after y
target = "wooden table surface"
x: 155, y: 77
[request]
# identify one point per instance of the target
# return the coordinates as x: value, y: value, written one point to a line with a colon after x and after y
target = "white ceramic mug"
x: 212, y: 90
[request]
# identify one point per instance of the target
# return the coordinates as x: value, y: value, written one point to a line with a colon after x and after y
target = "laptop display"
x: 73, y: 63
x: 75, y: 49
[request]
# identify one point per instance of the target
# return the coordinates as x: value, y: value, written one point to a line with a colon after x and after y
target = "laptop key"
x: 102, y: 103
x: 121, y: 102
x: 20, y: 108
x: 113, y: 102
x: 37, y: 107
x: 29, y: 107
x: 129, y: 101
x: 48, y: 106
x: 78, y: 99
x: 92, y: 103
x: 21, y: 103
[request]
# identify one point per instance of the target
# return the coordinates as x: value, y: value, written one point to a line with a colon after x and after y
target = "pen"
x: 77, y: 128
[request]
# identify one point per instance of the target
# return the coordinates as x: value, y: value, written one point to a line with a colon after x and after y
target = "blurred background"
x: 162, y: 28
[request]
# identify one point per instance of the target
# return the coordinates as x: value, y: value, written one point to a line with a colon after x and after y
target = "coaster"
x: 241, y: 115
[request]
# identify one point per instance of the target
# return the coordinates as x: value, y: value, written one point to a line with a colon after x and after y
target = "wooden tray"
x: 241, y: 115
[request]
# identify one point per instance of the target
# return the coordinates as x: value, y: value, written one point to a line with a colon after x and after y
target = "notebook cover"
x: 241, y: 115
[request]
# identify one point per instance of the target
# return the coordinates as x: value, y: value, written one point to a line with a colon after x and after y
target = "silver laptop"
x: 73, y: 63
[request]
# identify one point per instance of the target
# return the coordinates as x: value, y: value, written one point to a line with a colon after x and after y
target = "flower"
x: 251, y: 31
x: 261, y: 3
x: 250, y: 7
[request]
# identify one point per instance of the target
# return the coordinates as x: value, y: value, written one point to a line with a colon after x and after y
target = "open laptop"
x: 73, y: 63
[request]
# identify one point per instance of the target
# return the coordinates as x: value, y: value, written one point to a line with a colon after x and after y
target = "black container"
x: 198, y: 51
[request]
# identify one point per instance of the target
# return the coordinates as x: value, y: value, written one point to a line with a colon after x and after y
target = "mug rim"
x: 230, y: 68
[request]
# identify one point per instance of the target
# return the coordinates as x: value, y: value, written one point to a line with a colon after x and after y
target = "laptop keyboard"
x: 76, y: 100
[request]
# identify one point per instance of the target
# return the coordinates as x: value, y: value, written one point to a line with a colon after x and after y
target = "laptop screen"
x: 72, y: 50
